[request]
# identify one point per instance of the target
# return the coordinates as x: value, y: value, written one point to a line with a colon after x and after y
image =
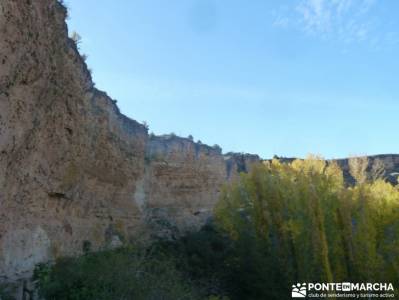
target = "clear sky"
x: 284, y: 77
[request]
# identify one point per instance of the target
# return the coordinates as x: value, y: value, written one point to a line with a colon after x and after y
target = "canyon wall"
x: 386, y: 165
x: 74, y: 171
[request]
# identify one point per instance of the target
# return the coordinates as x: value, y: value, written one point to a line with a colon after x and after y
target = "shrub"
x: 217, y: 147
x: 201, y: 256
x: 124, y: 273
x: 76, y: 38
x: 6, y: 291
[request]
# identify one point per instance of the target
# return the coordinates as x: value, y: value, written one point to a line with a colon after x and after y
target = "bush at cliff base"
x: 125, y: 273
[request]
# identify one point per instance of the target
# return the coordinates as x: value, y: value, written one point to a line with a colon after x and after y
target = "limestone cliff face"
x: 180, y: 174
x: 73, y: 169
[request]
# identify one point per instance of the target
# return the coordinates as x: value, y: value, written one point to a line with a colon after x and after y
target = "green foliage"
x: 86, y: 247
x: 118, y: 274
x: 201, y: 256
x: 6, y: 291
x: 299, y: 223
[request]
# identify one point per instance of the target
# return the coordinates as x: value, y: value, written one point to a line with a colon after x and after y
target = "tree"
x: 358, y: 167
x: 300, y: 223
x: 76, y: 38
x: 377, y: 169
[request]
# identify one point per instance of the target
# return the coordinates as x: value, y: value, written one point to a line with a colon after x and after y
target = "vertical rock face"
x: 69, y: 160
x: 182, y: 174
x: 73, y: 169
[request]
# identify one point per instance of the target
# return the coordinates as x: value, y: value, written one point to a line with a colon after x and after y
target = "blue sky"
x: 286, y: 77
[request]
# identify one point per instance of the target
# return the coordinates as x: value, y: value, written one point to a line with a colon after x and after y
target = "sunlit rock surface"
x: 74, y: 171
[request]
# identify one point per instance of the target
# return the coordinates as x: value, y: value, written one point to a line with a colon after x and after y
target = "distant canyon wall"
x: 383, y: 166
